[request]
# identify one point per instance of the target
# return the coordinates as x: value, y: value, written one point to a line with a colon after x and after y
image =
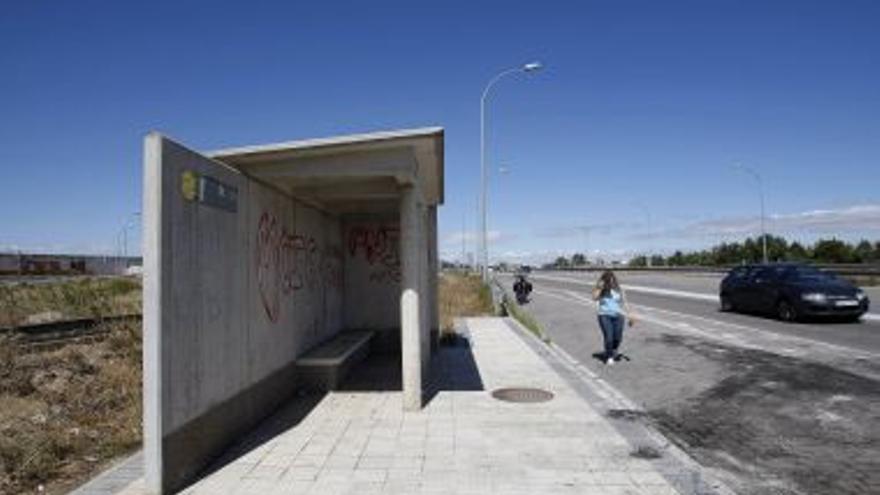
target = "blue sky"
x: 629, y: 134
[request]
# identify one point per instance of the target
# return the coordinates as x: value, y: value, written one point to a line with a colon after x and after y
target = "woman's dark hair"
x: 607, y: 283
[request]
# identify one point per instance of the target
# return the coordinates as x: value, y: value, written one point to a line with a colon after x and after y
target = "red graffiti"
x: 333, y: 276
x: 268, y: 254
x: 287, y: 263
x: 380, y: 246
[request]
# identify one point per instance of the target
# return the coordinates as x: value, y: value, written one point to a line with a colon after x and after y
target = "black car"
x: 791, y: 291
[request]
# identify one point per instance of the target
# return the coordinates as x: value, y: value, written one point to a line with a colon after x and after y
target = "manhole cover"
x: 522, y: 394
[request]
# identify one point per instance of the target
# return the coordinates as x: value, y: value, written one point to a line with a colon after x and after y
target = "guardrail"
x: 853, y: 270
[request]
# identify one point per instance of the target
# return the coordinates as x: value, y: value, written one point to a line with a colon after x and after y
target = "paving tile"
x: 301, y: 473
x: 463, y: 442
x: 292, y: 488
x: 341, y: 462
x: 402, y: 487
x: 397, y: 475
x: 314, y: 461
x: 370, y: 475
x: 375, y: 462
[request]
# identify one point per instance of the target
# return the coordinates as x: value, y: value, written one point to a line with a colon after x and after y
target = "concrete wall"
x: 372, y: 272
x: 231, y: 298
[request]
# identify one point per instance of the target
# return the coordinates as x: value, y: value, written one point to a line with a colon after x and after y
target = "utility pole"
x: 463, y: 239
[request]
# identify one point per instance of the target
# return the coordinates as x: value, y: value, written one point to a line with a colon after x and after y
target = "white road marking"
x: 762, y: 333
x: 668, y: 292
x: 673, y: 293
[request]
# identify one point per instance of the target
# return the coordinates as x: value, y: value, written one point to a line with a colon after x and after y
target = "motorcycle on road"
x: 522, y: 288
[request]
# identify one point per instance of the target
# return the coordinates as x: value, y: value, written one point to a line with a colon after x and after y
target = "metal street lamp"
x: 647, y: 214
x: 757, y: 177
x: 586, y: 231
x: 129, y: 223
x: 484, y: 216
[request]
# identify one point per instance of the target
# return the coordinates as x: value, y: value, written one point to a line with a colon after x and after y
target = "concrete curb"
x: 681, y: 470
x: 115, y: 478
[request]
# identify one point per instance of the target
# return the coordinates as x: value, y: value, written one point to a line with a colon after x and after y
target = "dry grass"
x: 462, y: 295
x: 66, y: 412
x: 525, y: 318
x: 81, y: 298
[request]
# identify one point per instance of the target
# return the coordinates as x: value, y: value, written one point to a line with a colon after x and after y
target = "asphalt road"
x: 696, y: 282
x: 770, y: 407
x: 662, y: 292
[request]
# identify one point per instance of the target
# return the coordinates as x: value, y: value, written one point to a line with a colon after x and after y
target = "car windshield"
x: 808, y: 275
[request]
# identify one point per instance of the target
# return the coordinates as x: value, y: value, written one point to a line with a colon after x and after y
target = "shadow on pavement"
x: 452, y: 369
x: 600, y: 356
x: 820, y: 319
x: 286, y: 417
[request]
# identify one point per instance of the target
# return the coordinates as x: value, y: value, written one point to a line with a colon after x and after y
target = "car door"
x: 735, y: 285
x: 764, y: 289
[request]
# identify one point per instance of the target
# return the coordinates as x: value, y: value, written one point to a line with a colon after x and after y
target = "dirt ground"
x: 67, y: 411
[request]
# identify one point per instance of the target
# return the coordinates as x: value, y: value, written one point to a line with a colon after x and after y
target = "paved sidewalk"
x: 360, y: 441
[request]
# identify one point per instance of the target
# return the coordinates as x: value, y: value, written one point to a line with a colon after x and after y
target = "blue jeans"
x: 612, y: 330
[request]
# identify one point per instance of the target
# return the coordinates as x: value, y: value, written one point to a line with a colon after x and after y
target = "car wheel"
x: 785, y: 311
x: 727, y: 303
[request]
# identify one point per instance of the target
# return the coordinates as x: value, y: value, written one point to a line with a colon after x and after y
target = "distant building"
x: 66, y: 264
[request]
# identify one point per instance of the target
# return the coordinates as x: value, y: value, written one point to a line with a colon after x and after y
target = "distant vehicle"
x: 522, y: 288
x: 791, y: 292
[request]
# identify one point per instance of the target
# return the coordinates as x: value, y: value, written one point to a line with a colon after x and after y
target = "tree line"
x: 751, y: 251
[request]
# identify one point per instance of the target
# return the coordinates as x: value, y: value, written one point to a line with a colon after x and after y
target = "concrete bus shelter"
x: 254, y: 256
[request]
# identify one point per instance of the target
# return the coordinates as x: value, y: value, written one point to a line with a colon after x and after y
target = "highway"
x: 697, y: 295
x: 772, y: 407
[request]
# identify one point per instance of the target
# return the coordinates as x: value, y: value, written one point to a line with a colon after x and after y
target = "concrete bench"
x: 326, y: 365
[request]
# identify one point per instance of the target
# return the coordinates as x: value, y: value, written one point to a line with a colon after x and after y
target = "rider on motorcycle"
x: 522, y: 288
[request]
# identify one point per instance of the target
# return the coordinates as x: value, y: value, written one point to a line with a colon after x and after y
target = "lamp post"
x: 647, y: 213
x: 463, y: 239
x: 484, y: 216
x: 757, y: 177
x: 586, y: 231
x: 129, y: 223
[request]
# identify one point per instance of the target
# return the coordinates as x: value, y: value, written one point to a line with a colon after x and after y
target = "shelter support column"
x: 433, y: 271
x: 425, y: 308
x: 411, y: 228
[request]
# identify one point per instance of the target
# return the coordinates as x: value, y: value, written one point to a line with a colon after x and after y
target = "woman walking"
x: 613, y: 310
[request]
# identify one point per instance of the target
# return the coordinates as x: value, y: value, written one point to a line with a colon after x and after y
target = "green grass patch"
x: 525, y: 319
x: 88, y: 297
